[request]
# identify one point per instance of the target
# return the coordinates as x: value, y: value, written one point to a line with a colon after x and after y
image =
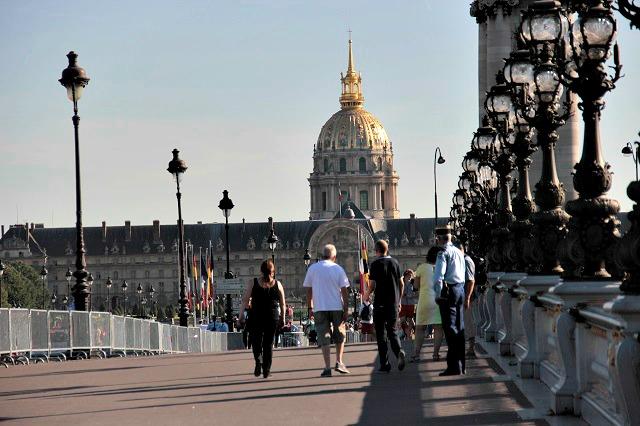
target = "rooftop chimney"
x: 2, y: 231
x: 156, y: 231
x: 104, y: 231
x: 127, y: 230
x: 412, y: 225
x: 270, y: 224
x: 33, y: 226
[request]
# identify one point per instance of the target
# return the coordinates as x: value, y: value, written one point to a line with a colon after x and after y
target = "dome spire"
x: 351, y: 96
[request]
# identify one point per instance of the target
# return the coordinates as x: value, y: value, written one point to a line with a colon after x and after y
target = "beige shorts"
x: 325, y: 321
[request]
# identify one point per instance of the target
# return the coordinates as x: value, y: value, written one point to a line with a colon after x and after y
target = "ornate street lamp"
x: 437, y: 159
x: 124, y: 295
x: 628, y: 151
x: 74, y: 79
x: 226, y: 205
x: 68, y: 277
x: 1, y: 279
x: 273, y: 242
x: 631, y: 11
x: 90, y: 283
x: 543, y: 27
x: 43, y: 276
x: 109, y: 283
x: 177, y: 168
x: 594, y: 227
x: 152, y: 292
x: 139, y: 291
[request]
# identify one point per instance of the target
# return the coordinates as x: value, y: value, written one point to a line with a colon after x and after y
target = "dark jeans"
x: 451, y: 311
x: 261, y: 335
x: 385, y: 319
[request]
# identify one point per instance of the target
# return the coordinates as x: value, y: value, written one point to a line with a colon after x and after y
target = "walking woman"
x: 428, y: 312
x: 267, y: 314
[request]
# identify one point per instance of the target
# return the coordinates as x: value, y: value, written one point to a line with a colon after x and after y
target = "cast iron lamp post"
x: 109, y: 283
x: 90, y: 283
x: 124, y: 295
x: 631, y: 11
x: 273, y: 242
x: 139, y: 291
x: 68, y: 277
x: 543, y: 28
x: 307, y: 260
x: 437, y: 159
x: 177, y: 168
x: 43, y: 276
x: 594, y: 227
x: 628, y: 151
x: 152, y: 292
x: 74, y: 79
x: 226, y: 205
x: 519, y: 75
x: 1, y: 278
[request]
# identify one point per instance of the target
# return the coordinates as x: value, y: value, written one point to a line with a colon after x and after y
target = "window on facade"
x: 133, y: 274
x: 362, y: 164
x: 115, y: 275
x: 325, y: 164
x: 161, y: 273
x: 324, y: 201
x: 364, y: 200
x: 146, y: 274
x: 382, y: 198
x: 343, y: 165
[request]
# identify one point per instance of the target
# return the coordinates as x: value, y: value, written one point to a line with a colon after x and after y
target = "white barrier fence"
x: 32, y: 334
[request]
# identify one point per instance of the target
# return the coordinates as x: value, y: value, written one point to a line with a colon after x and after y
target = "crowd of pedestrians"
x: 434, y: 301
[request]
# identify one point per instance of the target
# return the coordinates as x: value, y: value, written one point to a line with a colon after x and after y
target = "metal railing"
x: 38, y: 335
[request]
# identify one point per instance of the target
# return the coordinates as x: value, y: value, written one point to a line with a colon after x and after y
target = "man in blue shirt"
x: 449, y: 276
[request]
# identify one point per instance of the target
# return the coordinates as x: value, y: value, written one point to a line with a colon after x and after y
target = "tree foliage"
x: 22, y: 287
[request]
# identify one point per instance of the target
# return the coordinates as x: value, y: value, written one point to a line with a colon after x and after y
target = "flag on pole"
x: 188, y: 279
x: 364, y: 266
x: 210, y: 275
x: 203, y: 279
x: 194, y: 265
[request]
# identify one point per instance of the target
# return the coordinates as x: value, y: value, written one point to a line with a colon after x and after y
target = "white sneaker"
x: 341, y: 368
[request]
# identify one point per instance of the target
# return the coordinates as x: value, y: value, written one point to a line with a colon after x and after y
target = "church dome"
x: 353, y: 128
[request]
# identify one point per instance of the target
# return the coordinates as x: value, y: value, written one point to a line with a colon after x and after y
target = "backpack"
x: 365, y: 313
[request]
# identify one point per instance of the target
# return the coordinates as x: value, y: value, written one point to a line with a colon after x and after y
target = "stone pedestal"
x: 491, y: 324
x: 529, y: 289
x: 565, y: 398
x: 507, y: 298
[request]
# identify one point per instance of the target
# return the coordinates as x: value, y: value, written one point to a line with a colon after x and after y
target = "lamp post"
x: 152, y: 292
x: 1, y: 279
x: 124, y: 296
x: 90, y: 283
x: 43, y: 276
x: 542, y: 30
x: 177, y: 168
x: 226, y: 205
x: 139, y: 291
x: 109, y: 283
x: 307, y: 260
x: 273, y: 242
x: 628, y: 151
x: 437, y: 159
x: 68, y: 277
x: 594, y: 227
x: 74, y: 79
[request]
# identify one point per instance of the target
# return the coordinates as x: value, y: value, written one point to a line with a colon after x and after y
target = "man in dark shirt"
x: 385, y: 282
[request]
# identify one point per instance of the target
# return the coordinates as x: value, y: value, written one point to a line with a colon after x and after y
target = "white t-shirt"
x: 326, y: 278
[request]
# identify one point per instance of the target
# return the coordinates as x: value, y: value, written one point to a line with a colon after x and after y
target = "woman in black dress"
x: 267, y: 314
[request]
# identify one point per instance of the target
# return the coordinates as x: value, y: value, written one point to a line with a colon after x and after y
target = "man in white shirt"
x: 327, y: 284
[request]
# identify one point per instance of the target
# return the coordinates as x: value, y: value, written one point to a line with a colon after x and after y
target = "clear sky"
x: 242, y: 88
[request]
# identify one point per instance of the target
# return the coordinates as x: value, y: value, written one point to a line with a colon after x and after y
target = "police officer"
x: 449, y: 276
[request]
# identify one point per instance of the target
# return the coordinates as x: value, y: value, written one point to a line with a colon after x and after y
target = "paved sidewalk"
x: 220, y: 389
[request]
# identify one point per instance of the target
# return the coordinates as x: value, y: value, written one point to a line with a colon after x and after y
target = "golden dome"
x: 352, y: 127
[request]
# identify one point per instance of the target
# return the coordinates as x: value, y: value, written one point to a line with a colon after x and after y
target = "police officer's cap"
x: 443, y: 230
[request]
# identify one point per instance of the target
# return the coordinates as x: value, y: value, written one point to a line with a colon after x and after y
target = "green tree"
x: 22, y: 287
